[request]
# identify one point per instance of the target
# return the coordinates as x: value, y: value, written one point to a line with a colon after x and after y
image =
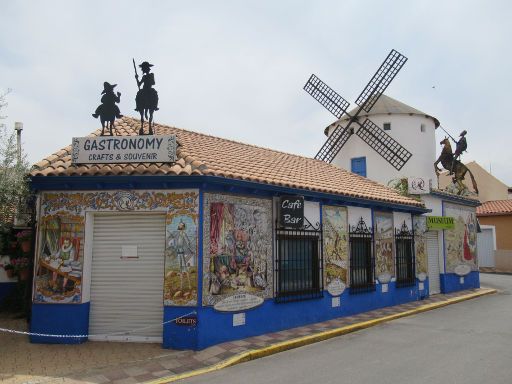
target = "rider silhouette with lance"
x: 461, y: 146
x: 147, y: 97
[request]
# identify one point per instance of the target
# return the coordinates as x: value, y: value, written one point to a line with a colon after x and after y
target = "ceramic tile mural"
x: 335, y: 245
x: 460, y: 242
x: 384, y: 246
x: 420, y: 246
x: 237, y: 247
x: 60, y: 250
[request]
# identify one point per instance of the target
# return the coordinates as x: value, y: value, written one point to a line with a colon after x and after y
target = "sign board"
x: 440, y: 222
x: 336, y: 287
x: 291, y: 211
x: 187, y: 321
x: 124, y: 149
x: 418, y: 185
x: 238, y: 302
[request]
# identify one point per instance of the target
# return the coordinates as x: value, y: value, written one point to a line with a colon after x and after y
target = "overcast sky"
x: 236, y: 69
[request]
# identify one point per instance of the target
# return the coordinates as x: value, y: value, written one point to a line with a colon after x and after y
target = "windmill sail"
x: 380, y: 81
x: 334, y: 143
x: 383, y: 144
x: 326, y: 96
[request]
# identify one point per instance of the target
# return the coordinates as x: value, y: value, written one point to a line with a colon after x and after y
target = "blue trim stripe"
x: 208, y: 183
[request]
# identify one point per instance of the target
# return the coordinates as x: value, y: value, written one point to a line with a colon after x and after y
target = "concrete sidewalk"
x: 102, y: 362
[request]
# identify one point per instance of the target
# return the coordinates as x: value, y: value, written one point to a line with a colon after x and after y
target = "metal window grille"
x: 298, y: 265
x: 405, y: 258
x: 362, y: 261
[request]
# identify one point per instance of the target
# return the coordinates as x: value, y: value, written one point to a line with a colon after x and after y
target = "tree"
x: 14, y: 189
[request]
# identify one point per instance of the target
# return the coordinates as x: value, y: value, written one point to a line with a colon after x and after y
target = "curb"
x: 321, y: 336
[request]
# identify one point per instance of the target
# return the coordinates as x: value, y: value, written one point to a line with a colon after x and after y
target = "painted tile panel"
x: 460, y: 242
x: 335, y: 247
x: 61, y: 233
x: 237, y: 247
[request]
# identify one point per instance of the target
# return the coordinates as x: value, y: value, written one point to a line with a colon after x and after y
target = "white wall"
x: 400, y: 217
x: 406, y: 130
x: 355, y: 214
x: 312, y: 212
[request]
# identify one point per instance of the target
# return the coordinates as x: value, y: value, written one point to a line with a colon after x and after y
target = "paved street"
x: 467, y: 343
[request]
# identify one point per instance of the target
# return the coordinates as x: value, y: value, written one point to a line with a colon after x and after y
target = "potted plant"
x: 9, y: 270
x: 21, y: 266
x: 24, y: 237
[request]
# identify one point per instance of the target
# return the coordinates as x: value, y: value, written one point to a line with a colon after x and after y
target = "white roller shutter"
x: 127, y: 292
x: 485, y: 244
x: 433, y: 262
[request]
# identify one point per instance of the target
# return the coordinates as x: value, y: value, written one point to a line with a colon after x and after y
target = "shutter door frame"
x: 132, y: 297
x: 434, y: 269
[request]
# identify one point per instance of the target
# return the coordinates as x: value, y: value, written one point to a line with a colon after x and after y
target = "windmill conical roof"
x: 386, y: 105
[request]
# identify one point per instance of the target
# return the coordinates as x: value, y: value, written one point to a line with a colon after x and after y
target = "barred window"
x: 362, y: 262
x: 298, y: 265
x: 405, y: 263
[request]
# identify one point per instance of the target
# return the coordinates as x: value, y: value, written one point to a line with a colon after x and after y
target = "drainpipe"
x: 18, y: 127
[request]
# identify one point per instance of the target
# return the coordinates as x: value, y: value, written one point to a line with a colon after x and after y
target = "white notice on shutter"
x: 336, y: 302
x: 384, y: 288
x: 129, y: 252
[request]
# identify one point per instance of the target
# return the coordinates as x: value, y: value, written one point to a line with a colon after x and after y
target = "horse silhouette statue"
x: 108, y: 111
x: 447, y: 160
x: 147, y: 97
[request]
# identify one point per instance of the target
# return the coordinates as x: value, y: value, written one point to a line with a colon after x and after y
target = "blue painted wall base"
x: 59, y: 319
x: 216, y: 327
x: 450, y: 282
x: 5, y: 290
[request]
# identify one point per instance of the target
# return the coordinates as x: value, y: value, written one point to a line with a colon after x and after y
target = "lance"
x: 440, y: 126
x: 137, y: 75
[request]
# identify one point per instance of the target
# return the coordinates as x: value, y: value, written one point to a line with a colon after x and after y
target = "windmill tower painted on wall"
x: 398, y: 141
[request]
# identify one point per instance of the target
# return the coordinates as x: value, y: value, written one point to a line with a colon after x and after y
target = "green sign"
x: 440, y: 222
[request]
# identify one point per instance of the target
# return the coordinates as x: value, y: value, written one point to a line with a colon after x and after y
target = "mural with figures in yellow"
x: 384, y: 249
x: 335, y: 239
x: 420, y: 247
x: 60, y: 242
x: 460, y: 242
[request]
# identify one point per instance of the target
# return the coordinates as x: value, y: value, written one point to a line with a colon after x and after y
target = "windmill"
x: 369, y: 132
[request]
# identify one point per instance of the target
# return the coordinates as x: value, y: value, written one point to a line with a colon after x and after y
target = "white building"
x: 415, y: 131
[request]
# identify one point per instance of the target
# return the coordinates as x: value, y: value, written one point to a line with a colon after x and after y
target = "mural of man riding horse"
x: 451, y: 162
x: 147, y: 97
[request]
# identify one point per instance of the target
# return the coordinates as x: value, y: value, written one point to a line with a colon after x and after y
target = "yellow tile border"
x: 320, y: 336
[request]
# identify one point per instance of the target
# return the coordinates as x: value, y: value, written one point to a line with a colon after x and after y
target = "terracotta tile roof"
x: 200, y: 154
x: 494, y: 208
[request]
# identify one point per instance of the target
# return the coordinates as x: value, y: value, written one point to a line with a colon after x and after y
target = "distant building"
x: 498, y: 214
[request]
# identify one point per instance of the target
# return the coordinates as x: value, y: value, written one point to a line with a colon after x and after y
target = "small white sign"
x: 336, y: 287
x: 421, y: 286
x: 336, y: 302
x: 238, y: 319
x: 238, y: 302
x: 418, y: 185
x: 461, y: 280
x: 124, y: 149
x: 462, y: 269
x: 129, y: 252
x: 384, y: 288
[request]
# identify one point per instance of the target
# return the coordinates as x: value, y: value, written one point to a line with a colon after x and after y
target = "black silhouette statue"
x: 108, y: 111
x: 147, y: 97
